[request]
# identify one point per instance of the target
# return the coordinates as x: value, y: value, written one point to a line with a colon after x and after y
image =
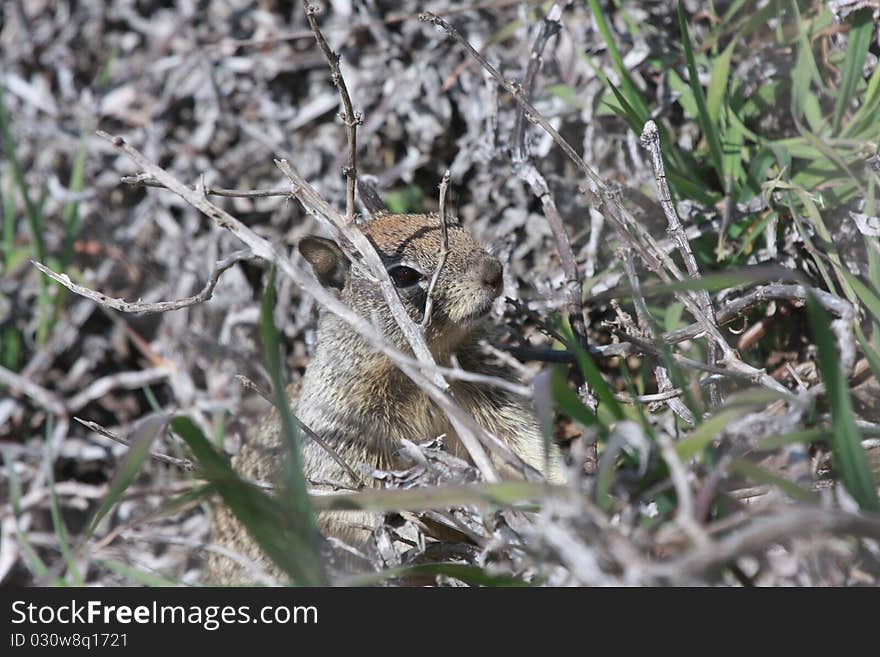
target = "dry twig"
x: 184, y: 464
x: 651, y: 140
x: 349, y: 118
x: 441, y: 256
x: 139, y: 308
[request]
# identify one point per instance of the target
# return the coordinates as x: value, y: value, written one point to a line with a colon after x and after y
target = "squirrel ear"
x: 327, y: 260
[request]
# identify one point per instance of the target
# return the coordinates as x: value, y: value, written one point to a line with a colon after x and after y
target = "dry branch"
x: 148, y: 181
x: 348, y: 115
x: 549, y: 28
x: 442, y: 255
x: 527, y: 171
x: 139, y: 308
x: 44, y: 398
x: 127, y: 380
x: 651, y: 140
x: 184, y: 464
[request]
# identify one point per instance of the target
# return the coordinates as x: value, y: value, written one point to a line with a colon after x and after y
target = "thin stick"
x: 646, y: 322
x: 323, y: 444
x: 184, y: 464
x: 138, y: 308
x: 444, y: 251
x: 148, y: 181
x: 626, y: 398
x: 573, y: 286
x: 651, y: 140
x: 348, y: 115
x: 549, y: 28
x: 126, y: 380
x: 45, y: 398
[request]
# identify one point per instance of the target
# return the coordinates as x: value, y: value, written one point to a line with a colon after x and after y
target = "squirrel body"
x: 356, y: 399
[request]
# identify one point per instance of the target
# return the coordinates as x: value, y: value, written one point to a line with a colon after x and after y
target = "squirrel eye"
x: 404, y: 276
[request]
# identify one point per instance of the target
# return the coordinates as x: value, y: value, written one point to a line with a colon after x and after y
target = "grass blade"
x: 862, y: 27
x: 35, y: 220
x: 709, y: 129
x: 58, y: 520
x: 71, y: 210
x: 762, y: 476
x: 141, y: 577
x: 37, y: 566
x: 865, y: 294
x: 295, y: 489
x: 872, y: 354
x: 633, y: 95
x: 703, y: 435
x: 502, y: 494
x: 592, y: 374
x: 718, y: 82
x: 263, y: 516
x: 138, y: 452
x: 781, y: 440
x: 568, y: 402
x: 849, y: 456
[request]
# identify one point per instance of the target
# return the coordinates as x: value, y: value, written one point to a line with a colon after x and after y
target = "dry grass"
x: 720, y: 431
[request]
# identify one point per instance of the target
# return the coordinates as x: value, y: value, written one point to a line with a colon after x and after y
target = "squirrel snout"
x: 491, y: 275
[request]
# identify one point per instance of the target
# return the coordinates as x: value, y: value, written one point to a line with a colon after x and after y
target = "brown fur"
x: 360, y: 403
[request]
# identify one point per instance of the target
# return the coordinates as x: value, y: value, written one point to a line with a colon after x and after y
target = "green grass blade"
x: 423, y: 498
x: 37, y: 566
x: 804, y: 436
x: 872, y: 354
x: 8, y: 226
x: 718, y: 82
x: 850, y: 460
x: 633, y: 95
x: 35, y: 220
x: 862, y: 27
x: 58, y: 521
x: 864, y: 293
x: 760, y: 475
x: 263, y: 516
x: 864, y: 116
x: 71, y: 209
x: 138, y: 452
x: 592, y: 375
x: 755, y: 233
x: 141, y: 577
x: 703, y: 435
x: 295, y: 492
x: 710, y: 130
x: 568, y: 402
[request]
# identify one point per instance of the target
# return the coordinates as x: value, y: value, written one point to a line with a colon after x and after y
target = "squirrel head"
x: 409, y: 246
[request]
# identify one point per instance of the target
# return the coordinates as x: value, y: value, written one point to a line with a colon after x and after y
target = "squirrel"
x: 355, y: 398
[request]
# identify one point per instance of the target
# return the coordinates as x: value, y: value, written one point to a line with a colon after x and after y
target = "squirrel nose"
x: 490, y: 275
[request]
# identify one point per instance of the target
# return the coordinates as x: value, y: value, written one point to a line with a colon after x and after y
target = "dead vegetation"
x: 692, y: 271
